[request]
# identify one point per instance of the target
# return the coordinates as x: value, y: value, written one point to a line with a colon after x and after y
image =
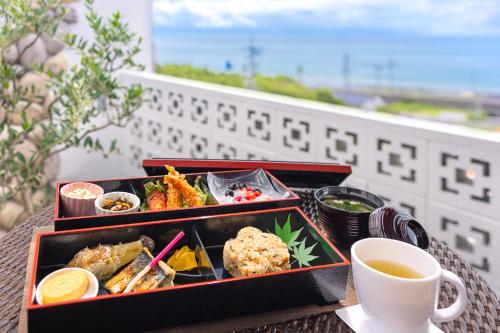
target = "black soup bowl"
x: 343, y: 226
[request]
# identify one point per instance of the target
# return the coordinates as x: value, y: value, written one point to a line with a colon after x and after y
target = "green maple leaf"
x: 303, y: 254
x: 286, y: 234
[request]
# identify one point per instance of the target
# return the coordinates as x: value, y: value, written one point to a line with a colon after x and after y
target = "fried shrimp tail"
x: 174, y: 197
x: 189, y: 194
x: 179, y: 190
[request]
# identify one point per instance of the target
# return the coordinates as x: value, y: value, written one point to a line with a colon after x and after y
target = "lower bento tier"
x: 110, y: 202
x: 224, y: 266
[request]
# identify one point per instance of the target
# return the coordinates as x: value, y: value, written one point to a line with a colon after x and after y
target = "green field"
x: 421, y: 109
x: 281, y: 85
x: 284, y: 85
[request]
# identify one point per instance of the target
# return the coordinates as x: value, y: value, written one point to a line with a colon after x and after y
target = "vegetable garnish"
x: 153, y: 262
x: 298, y: 250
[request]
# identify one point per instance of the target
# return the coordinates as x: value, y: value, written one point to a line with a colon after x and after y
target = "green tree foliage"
x: 88, y: 97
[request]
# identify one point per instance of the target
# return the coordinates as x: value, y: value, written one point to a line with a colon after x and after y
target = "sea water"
x: 456, y: 63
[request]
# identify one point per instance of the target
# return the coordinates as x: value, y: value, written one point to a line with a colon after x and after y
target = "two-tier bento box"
x: 218, y: 285
x: 279, y: 175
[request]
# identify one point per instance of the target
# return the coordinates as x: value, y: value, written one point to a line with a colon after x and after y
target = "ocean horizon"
x: 445, y: 63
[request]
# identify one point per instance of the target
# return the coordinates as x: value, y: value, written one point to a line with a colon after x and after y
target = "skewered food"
x: 155, y: 277
x: 105, y: 260
x: 119, y: 282
x: 65, y: 286
x: 161, y: 275
x: 255, y: 252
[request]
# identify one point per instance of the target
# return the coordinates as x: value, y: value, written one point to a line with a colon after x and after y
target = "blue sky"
x: 420, y: 17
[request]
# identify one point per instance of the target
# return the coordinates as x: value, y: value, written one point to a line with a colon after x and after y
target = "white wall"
x: 136, y: 12
x: 447, y: 176
x: 76, y: 163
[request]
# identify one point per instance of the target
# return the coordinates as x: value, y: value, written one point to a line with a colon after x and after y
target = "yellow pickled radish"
x: 67, y: 285
x: 183, y: 260
x: 177, y: 254
x: 202, y: 257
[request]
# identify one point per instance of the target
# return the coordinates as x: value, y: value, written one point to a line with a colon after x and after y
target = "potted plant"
x: 46, y: 106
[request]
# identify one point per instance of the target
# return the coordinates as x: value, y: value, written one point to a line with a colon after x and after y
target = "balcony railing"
x: 448, y: 177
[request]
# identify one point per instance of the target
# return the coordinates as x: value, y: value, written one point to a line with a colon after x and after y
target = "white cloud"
x: 427, y: 16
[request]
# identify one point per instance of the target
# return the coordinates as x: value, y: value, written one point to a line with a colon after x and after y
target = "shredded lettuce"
x: 152, y: 186
x: 201, y: 194
x: 144, y: 206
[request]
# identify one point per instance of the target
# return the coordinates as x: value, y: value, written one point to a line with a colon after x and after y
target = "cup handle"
x: 456, y: 309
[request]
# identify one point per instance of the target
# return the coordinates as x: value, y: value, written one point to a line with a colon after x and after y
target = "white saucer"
x: 92, y: 289
x: 356, y: 319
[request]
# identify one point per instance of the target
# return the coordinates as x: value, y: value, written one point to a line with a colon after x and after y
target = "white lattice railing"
x: 448, y: 177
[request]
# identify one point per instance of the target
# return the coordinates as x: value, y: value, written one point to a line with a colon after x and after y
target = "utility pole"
x: 377, y: 73
x: 300, y: 71
x: 391, y: 64
x: 252, y: 53
x: 346, y: 70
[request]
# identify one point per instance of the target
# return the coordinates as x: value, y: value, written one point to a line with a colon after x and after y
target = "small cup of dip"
x: 78, y: 198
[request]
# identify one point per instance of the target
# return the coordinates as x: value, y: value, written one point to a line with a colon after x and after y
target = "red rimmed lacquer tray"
x: 216, y: 295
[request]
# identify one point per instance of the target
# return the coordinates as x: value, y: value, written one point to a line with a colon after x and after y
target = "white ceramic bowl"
x: 133, y: 199
x: 92, y: 288
x: 79, y: 207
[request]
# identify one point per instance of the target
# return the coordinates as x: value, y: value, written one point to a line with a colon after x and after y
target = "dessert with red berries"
x: 240, y: 192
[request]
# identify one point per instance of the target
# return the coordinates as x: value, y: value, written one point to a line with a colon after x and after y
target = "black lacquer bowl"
x: 196, y: 296
x: 343, y: 227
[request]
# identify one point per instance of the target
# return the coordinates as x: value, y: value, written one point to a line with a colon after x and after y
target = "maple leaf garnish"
x: 286, y: 234
x: 298, y: 249
x: 303, y: 254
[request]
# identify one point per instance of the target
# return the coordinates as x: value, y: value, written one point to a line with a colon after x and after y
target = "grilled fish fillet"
x: 160, y: 275
x: 105, y: 260
x: 119, y: 282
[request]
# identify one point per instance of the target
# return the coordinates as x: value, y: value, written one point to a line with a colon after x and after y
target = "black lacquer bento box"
x: 196, y: 296
x: 280, y: 175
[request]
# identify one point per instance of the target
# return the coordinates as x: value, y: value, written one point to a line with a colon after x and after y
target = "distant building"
x: 365, y: 102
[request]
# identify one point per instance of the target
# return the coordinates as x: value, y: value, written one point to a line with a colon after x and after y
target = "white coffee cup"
x: 395, y: 304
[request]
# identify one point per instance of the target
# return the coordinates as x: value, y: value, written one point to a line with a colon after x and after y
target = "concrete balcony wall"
x: 448, y: 177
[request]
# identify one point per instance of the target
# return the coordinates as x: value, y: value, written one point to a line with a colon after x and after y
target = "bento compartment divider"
x: 202, y: 246
x: 133, y: 189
